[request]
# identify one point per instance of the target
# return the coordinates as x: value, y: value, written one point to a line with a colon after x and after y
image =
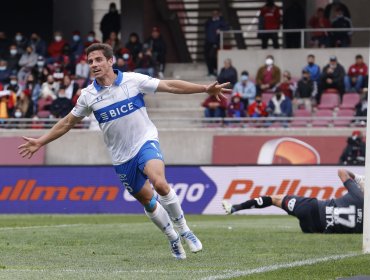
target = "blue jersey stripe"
x: 120, y: 109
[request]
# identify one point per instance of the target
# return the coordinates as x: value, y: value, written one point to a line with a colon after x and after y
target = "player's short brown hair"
x: 105, y: 48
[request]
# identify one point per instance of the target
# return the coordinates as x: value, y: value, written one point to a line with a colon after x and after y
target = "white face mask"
x: 90, y: 38
x: 58, y: 38
x: 13, y: 82
x: 18, y: 38
x: 269, y: 61
x: 40, y: 63
x: 76, y: 38
x: 2, y: 68
x: 18, y: 114
x: 13, y: 51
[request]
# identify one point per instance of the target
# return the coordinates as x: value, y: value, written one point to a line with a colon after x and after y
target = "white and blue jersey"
x: 121, y: 113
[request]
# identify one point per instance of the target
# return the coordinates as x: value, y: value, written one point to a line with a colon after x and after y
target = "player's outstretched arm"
x: 183, y: 87
x: 32, y: 145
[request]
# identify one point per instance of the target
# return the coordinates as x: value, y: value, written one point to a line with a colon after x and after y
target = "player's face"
x: 99, y: 64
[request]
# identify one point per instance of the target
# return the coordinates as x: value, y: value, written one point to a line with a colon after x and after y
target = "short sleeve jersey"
x: 344, y: 214
x: 121, y: 113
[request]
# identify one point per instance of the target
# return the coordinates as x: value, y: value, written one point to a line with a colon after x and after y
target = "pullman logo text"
x: 28, y: 190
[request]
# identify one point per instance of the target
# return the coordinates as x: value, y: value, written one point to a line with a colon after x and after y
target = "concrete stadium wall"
x: 179, y: 146
x: 292, y: 60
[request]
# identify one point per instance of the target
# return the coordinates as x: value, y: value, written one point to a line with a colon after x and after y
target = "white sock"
x: 161, y: 219
x: 172, y: 205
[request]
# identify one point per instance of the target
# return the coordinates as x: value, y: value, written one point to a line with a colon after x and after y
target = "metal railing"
x: 301, y: 31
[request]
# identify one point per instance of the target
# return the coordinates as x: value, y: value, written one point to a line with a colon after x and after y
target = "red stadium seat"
x: 43, y: 114
x: 344, y: 113
x: 350, y: 100
x: 322, y: 122
x: 300, y: 123
x: 329, y: 101
x: 44, y: 102
x: 266, y: 96
x: 331, y: 90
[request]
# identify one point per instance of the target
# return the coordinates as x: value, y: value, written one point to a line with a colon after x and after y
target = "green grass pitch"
x: 130, y: 247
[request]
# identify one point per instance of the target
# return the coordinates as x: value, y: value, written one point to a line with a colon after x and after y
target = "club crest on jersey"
x: 291, y: 204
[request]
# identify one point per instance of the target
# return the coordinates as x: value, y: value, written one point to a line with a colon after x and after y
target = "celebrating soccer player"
x: 341, y: 215
x: 117, y: 101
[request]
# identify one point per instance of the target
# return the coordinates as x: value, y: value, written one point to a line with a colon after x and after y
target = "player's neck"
x: 108, y: 79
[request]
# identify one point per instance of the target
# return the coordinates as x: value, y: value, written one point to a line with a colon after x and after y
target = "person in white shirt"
x: 116, y: 99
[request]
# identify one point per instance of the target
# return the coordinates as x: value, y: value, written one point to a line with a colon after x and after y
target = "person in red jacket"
x: 258, y: 108
x: 356, y: 75
x: 320, y: 38
x: 55, y: 49
x: 269, y: 19
x: 214, y: 108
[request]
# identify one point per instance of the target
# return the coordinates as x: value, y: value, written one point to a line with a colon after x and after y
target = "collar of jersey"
x: 117, y: 82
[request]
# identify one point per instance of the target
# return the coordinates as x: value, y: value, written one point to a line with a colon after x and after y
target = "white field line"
x: 268, y: 268
x: 66, y: 225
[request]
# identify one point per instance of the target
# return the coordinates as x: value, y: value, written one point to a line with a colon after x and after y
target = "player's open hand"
x: 218, y: 90
x: 29, y: 148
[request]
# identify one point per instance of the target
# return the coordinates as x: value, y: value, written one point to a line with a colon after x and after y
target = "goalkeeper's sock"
x: 172, y: 205
x: 258, y: 202
x: 161, y: 219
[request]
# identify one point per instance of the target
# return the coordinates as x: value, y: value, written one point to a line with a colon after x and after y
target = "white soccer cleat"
x: 227, y: 206
x: 192, y: 241
x: 177, y: 250
x: 360, y: 180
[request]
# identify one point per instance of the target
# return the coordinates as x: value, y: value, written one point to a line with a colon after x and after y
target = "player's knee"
x: 161, y: 185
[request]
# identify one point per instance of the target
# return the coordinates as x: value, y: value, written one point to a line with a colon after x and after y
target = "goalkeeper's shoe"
x: 177, y: 250
x: 192, y: 241
x: 360, y: 180
x: 228, y: 207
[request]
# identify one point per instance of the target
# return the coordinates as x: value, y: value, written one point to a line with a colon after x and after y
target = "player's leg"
x: 258, y: 202
x: 158, y: 215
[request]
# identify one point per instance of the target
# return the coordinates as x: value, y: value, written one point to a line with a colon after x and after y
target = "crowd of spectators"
x: 288, y: 94
x: 41, y: 79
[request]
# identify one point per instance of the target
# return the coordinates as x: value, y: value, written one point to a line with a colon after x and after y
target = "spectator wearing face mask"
x: 38, y: 44
x: 4, y: 72
x: 27, y: 62
x: 33, y: 88
x: 246, y: 89
x: 279, y: 105
x: 268, y: 75
x: 258, y: 108
x: 90, y: 39
x: 121, y: 64
x: 82, y: 68
x: 134, y: 45
x: 313, y: 68
x: 145, y: 63
x: 236, y: 108
x: 21, y: 42
x: 24, y: 108
x: 14, y: 84
x: 306, y: 92
x: 13, y: 58
x: 49, y: 89
x: 111, y: 21
x: 76, y: 46
x: 55, y: 49
x: 228, y: 73
x: 14, y: 90
x: 333, y: 76
x: 40, y: 71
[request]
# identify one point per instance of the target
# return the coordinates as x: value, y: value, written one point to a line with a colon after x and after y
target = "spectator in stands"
x: 134, y: 45
x: 330, y: 10
x: 341, y: 38
x: 21, y: 42
x: 320, y: 38
x: 33, y: 88
x: 356, y: 75
x: 214, y: 108
x: 268, y: 75
x: 24, y: 107
x: 4, y: 45
x: 82, y: 68
x: 111, y: 21
x: 90, y: 39
x: 4, y: 72
x: 313, y: 68
x: 76, y: 46
x: 4, y: 107
x: 228, y: 73
x: 49, y: 89
x: 236, y: 108
x: 127, y: 57
x: 258, y: 108
x: 361, y: 109
x: 55, y: 49
x: 40, y: 71
x: 245, y: 88
x: 76, y: 96
x: 158, y: 49
x: 27, y: 62
x: 145, y: 63
x: 280, y: 106
x: 114, y: 42
x: 354, y: 152
x: 38, y: 44
x: 269, y: 19
x: 121, y: 64
x: 15, y: 90
x: 213, y: 26
x: 70, y: 87
x: 62, y: 105
x: 306, y: 91
x: 287, y: 86
x: 333, y: 76
x: 13, y: 58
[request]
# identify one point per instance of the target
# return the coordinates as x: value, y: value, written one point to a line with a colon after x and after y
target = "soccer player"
x: 340, y: 215
x: 117, y: 101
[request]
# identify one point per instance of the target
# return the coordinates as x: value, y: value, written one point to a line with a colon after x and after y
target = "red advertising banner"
x: 277, y: 149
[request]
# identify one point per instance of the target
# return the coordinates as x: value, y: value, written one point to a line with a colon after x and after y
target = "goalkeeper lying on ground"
x: 340, y: 215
